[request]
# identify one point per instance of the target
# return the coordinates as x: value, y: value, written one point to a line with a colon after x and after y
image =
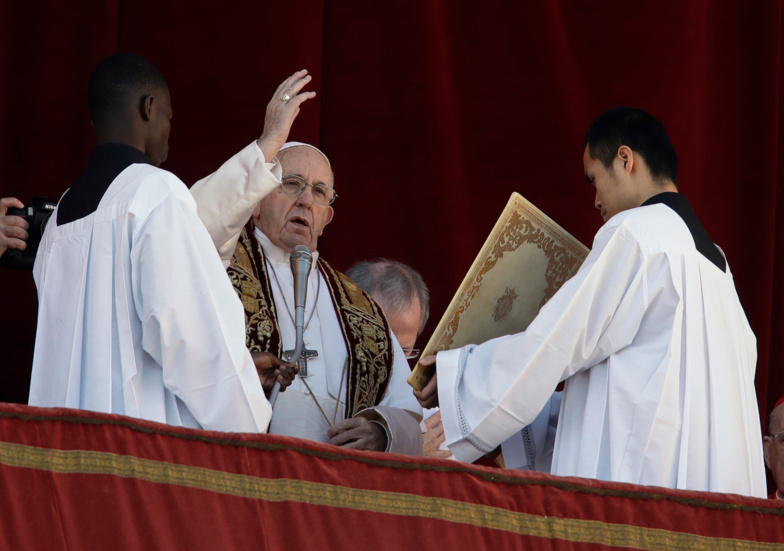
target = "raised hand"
x: 282, y: 109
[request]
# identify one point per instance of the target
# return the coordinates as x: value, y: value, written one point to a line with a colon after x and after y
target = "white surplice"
x: 137, y: 316
x: 658, y: 361
x: 296, y: 413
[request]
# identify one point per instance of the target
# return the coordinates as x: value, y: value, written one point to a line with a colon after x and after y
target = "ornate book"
x: 524, y: 261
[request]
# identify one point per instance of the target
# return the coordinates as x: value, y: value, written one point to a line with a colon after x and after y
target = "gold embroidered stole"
x: 248, y: 274
x: 366, y: 332
x: 363, y: 324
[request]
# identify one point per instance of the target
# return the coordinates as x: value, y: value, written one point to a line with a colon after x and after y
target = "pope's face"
x: 288, y: 220
x: 613, y: 194
x: 774, y: 452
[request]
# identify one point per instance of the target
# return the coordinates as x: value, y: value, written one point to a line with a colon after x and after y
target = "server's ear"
x: 625, y: 158
x: 145, y: 107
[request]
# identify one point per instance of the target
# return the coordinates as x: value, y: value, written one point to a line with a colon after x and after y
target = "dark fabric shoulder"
x: 106, y: 162
x: 702, y: 241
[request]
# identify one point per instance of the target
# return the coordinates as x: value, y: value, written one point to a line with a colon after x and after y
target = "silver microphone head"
x: 300, y: 252
x: 300, y: 259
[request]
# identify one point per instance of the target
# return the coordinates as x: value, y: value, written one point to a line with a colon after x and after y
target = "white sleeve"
x: 192, y: 321
x: 226, y: 198
x: 491, y: 391
x: 532, y: 448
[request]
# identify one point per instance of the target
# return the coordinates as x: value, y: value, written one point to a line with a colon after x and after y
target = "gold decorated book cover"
x: 524, y: 261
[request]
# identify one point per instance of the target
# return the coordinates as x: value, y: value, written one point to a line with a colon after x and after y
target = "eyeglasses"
x: 778, y: 437
x: 295, y: 185
x: 411, y: 353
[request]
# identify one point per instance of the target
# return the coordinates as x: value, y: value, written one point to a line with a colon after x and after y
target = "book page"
x: 524, y: 261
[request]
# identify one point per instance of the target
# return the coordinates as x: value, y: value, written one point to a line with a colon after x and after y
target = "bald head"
x: 400, y: 291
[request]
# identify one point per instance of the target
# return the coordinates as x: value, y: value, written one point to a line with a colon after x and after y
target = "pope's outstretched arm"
x: 225, y: 199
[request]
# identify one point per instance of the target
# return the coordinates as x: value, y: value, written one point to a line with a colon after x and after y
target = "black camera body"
x: 37, y: 214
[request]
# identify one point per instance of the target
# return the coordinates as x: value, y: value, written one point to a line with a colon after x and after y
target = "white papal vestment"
x: 137, y: 316
x: 296, y: 413
x: 658, y: 361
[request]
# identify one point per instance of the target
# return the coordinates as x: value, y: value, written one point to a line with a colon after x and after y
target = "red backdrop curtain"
x: 432, y: 114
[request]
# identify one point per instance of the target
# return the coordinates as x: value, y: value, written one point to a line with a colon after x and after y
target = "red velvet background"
x: 432, y: 113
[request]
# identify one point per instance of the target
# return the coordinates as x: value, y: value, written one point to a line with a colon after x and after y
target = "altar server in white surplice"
x: 136, y: 314
x: 649, y: 338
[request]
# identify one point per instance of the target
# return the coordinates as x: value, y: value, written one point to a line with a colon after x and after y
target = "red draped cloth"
x: 81, y: 480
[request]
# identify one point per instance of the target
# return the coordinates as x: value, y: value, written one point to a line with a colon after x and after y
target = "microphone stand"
x: 301, y: 261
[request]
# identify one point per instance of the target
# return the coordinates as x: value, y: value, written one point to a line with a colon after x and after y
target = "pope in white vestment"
x: 357, y: 354
x: 658, y: 361
x: 225, y: 201
x: 298, y: 410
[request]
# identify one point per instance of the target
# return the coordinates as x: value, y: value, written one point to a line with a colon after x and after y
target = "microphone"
x: 301, y: 261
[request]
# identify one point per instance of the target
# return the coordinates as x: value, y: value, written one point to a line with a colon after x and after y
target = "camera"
x: 37, y: 214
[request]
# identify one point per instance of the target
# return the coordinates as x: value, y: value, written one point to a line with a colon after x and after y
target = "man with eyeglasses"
x: 773, y: 444
x: 402, y: 294
x: 351, y: 390
x: 405, y: 299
